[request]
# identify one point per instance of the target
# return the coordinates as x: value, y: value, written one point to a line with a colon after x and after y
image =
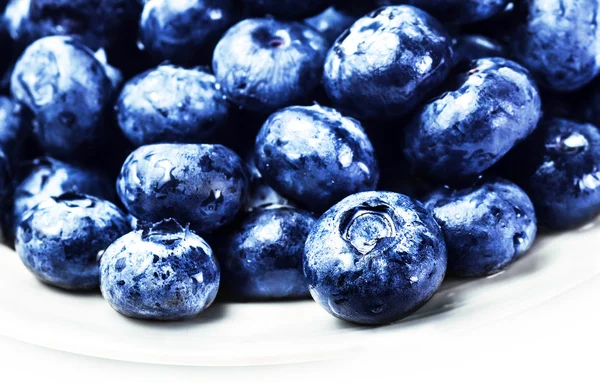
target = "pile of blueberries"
x: 353, y: 151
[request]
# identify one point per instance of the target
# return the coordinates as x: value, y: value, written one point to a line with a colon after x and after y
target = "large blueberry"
x: 387, y: 63
x: 486, y: 226
x: 61, y: 239
x: 294, y: 9
x: 262, y: 257
x: 13, y: 130
x: 185, y: 32
x: 171, y: 104
x: 473, y: 47
x: 98, y: 22
x: 491, y: 106
x: 374, y: 258
x: 331, y: 22
x: 163, y: 272
x: 315, y: 155
x: 67, y: 92
x: 559, y: 168
x: 558, y: 41
x: 205, y: 185
x: 455, y: 11
x: 266, y: 64
x: 46, y: 177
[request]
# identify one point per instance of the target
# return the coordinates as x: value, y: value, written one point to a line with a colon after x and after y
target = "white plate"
x: 272, y: 333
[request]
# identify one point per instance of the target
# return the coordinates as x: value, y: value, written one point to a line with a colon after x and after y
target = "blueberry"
x: 486, y: 226
x: 492, y: 106
x: 185, y: 33
x: 473, y: 47
x: 262, y: 195
x: 331, y: 22
x: 294, y: 9
x: 262, y: 257
x: 387, y: 63
x: 558, y: 41
x: 13, y: 131
x: 205, y: 185
x: 163, y: 272
x: 67, y: 91
x: 315, y: 155
x: 114, y: 74
x: 46, y: 177
x: 266, y: 64
x: 98, y: 22
x: 171, y: 104
x: 558, y: 168
x: 455, y: 11
x: 61, y: 239
x: 374, y: 258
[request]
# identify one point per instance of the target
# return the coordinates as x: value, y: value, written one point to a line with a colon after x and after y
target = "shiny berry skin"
x: 47, y: 177
x: 164, y: 272
x: 558, y: 41
x: 171, y: 104
x: 558, y: 168
x: 491, y: 106
x: 204, y: 185
x: 262, y: 256
x: 315, y: 156
x: 185, y: 32
x: 61, y: 239
x: 387, y: 62
x: 331, y: 22
x: 266, y: 64
x: 473, y: 47
x: 486, y: 226
x: 374, y: 258
x: 67, y: 91
x: 13, y: 129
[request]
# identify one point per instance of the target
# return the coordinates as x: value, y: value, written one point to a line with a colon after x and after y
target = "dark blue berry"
x: 13, y: 129
x: 61, y: 239
x: 171, y: 104
x: 374, y: 258
x: 185, y: 33
x: 67, y: 92
x: 491, y: 106
x: 486, y: 226
x: 315, y: 156
x: 558, y: 41
x: 473, y: 47
x: 262, y: 257
x: 163, y: 272
x: 387, y: 63
x: 331, y: 22
x: 204, y: 185
x: 293, y: 9
x: 266, y: 64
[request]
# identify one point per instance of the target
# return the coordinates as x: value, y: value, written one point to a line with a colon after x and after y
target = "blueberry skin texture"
x: 47, y: 177
x: 13, y: 131
x: 171, y: 104
x: 164, y: 272
x: 492, y: 106
x: 262, y: 195
x: 262, y: 257
x: 486, y: 226
x: 315, y: 156
x: 374, y: 258
x: 67, y: 91
x: 185, y: 33
x: 558, y: 168
x: 99, y: 23
x: 558, y: 41
x: 473, y: 47
x: 289, y: 9
x: 266, y: 64
x: 204, y: 185
x: 331, y: 23
x: 387, y: 63
x: 60, y: 239
x: 455, y: 11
